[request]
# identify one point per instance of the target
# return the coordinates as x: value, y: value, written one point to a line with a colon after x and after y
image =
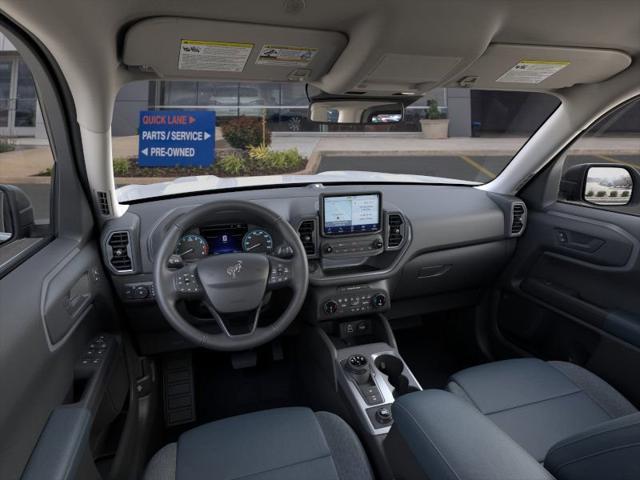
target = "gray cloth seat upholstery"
x: 284, y: 443
x: 539, y: 404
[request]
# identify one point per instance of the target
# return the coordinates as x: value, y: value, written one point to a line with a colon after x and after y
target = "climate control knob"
x: 330, y: 307
x: 379, y: 300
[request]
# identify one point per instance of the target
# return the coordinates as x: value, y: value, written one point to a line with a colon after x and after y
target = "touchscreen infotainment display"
x: 348, y: 214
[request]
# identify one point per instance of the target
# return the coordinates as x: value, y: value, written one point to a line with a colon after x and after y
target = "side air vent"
x: 103, y: 203
x: 518, y: 218
x: 307, y: 232
x: 396, y: 231
x: 119, y: 252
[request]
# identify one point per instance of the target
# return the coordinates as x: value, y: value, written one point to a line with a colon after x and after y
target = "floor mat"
x: 438, y: 346
x: 223, y: 392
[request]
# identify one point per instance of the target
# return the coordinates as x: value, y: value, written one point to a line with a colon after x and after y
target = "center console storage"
x: 437, y: 436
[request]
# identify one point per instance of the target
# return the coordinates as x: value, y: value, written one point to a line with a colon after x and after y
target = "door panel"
x: 571, y: 291
x: 37, y: 369
x: 59, y: 395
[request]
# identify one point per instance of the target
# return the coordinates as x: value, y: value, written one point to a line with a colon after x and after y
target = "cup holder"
x: 393, y: 367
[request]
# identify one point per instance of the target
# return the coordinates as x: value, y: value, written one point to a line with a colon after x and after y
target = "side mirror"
x: 16, y: 213
x: 603, y: 185
x: 608, y: 186
x: 359, y: 111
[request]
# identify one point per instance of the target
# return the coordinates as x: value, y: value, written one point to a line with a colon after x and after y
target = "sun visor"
x: 528, y: 67
x: 192, y: 48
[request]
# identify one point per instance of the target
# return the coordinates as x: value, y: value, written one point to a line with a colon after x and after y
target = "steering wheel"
x: 232, y: 283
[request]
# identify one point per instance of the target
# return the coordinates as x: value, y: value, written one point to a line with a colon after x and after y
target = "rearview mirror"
x: 608, y: 186
x: 356, y: 111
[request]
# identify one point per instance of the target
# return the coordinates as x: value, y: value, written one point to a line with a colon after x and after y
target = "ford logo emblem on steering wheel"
x: 235, y: 269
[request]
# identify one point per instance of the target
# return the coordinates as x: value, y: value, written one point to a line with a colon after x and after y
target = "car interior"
x: 334, y: 324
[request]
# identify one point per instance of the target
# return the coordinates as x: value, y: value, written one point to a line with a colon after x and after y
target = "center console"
x: 353, y: 245
x: 359, y: 358
x: 372, y: 376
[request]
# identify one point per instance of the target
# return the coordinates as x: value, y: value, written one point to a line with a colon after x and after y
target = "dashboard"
x: 393, y: 249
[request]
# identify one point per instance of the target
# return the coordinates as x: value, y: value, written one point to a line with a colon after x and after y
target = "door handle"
x: 578, y: 241
x: 78, y: 296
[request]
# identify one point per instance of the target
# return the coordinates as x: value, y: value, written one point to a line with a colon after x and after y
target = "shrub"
x: 613, y: 193
x: 589, y: 193
x: 433, y: 112
x: 285, y: 161
x: 243, y: 132
x: 120, y: 166
x: 259, y: 153
x: 272, y: 162
x: 601, y: 193
x: 6, y: 146
x: 231, y: 165
x: 625, y: 193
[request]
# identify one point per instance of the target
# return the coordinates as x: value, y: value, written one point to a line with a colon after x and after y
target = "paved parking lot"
x: 477, y: 168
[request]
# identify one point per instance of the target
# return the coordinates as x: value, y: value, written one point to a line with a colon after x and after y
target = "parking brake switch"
x: 360, y: 371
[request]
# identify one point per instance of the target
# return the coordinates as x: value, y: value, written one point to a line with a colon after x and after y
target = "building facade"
x: 20, y: 114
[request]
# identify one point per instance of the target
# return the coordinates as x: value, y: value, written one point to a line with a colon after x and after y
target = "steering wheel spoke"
x: 280, y: 273
x: 186, y: 285
x: 225, y: 325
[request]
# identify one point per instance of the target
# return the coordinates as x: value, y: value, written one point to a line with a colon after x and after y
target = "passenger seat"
x: 539, y: 404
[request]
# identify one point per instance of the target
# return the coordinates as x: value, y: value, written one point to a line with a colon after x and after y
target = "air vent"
x: 119, y: 252
x: 103, y: 203
x: 395, y: 230
x: 307, y: 232
x: 518, y: 218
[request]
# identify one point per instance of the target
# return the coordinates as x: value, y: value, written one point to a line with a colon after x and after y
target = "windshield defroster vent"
x: 119, y: 251
x: 307, y: 232
x: 518, y: 218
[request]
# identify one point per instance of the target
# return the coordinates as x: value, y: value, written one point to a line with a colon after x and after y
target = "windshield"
x: 175, y: 137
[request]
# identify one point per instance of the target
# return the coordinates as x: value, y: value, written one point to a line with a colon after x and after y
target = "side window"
x: 26, y: 160
x: 602, y: 168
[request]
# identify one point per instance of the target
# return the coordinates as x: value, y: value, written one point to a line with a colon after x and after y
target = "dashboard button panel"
x: 366, y: 246
x: 354, y: 302
x: 139, y: 291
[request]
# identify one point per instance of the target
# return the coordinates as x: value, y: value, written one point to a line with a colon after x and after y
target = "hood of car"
x: 203, y: 183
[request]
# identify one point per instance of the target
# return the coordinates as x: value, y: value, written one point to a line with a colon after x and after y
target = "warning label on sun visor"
x: 532, y: 71
x: 286, y: 55
x: 213, y: 56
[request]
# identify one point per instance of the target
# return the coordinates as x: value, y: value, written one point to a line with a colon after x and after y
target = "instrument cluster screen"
x: 224, y: 238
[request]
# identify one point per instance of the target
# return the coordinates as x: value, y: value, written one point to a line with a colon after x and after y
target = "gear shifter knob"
x: 358, y: 366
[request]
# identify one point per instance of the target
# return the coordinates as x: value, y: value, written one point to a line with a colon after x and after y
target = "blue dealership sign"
x: 176, y: 138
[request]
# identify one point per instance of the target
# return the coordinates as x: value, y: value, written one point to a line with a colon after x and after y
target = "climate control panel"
x: 354, y: 301
x: 362, y: 246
